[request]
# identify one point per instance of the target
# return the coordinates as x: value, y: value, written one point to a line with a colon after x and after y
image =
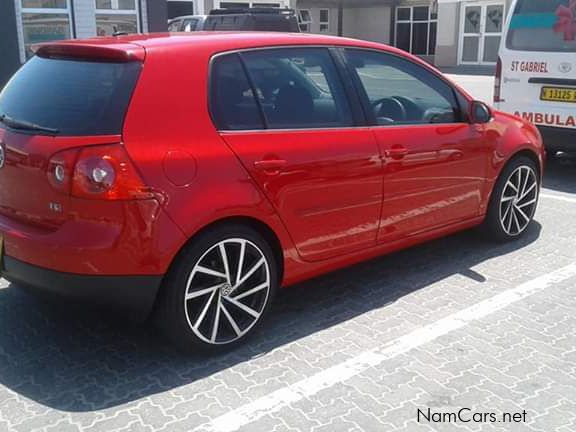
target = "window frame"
x: 460, y: 100
x: 136, y: 11
x: 326, y: 23
x: 349, y: 92
x: 21, y: 10
x: 307, y: 23
x: 429, y: 21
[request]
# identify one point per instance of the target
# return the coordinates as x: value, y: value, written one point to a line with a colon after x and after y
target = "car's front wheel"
x: 514, y: 200
x: 219, y: 289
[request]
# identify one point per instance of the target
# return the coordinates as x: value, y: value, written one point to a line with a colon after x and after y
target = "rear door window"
x: 74, y: 97
x: 233, y: 104
x: 298, y: 88
x: 538, y: 25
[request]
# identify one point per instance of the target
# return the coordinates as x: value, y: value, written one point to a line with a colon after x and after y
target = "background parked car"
x: 189, y: 23
x: 238, y: 19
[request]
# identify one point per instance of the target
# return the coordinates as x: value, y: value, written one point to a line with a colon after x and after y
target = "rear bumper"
x: 133, y: 296
x: 100, y: 238
x: 558, y: 139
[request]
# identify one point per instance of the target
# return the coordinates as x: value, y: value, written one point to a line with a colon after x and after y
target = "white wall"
x: 368, y: 23
x: 84, y: 12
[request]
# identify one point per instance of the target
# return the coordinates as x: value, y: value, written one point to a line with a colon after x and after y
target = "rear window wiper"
x: 26, y: 125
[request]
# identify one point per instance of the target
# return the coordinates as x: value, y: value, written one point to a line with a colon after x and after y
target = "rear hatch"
x: 66, y: 97
x: 538, y: 59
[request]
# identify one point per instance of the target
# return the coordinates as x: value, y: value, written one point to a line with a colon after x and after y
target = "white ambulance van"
x: 536, y: 71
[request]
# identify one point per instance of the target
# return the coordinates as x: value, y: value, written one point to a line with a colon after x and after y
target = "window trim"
x: 412, y: 21
x: 263, y: 118
x: 21, y: 10
x: 136, y: 11
x: 458, y: 96
x: 350, y: 94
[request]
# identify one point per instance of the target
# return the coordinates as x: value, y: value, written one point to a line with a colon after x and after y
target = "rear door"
x: 538, y: 59
x: 299, y: 142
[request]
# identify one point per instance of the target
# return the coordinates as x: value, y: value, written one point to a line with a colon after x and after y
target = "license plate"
x: 558, y: 94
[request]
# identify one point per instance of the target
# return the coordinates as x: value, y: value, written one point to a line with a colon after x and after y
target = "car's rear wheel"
x: 514, y: 200
x: 219, y: 289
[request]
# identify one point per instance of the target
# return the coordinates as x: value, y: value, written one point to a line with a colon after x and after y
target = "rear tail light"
x: 498, y: 82
x: 61, y: 170
x: 97, y: 172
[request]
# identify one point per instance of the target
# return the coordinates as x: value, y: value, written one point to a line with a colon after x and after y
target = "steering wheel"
x: 413, y: 111
x: 391, y: 108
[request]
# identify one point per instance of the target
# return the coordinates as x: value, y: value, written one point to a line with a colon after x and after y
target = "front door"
x: 481, y: 32
x: 435, y: 162
x: 298, y: 141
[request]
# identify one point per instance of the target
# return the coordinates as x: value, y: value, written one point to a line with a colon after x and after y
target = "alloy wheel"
x: 518, y: 201
x: 227, y: 291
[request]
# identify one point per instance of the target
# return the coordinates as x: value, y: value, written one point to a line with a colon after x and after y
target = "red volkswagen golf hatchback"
x: 192, y: 175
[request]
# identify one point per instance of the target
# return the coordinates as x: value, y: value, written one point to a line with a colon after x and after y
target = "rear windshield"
x: 543, y: 25
x: 74, y: 97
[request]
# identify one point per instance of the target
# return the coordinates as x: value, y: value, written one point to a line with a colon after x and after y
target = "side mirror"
x: 479, y: 113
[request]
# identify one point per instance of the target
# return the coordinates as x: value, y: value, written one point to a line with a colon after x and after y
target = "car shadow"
x: 560, y: 174
x: 79, y: 360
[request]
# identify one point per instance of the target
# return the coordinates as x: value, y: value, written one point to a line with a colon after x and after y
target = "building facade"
x: 471, y: 31
x: 448, y: 33
x: 443, y: 32
x: 27, y: 22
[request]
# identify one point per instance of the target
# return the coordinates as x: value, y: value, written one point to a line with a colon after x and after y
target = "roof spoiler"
x: 72, y: 50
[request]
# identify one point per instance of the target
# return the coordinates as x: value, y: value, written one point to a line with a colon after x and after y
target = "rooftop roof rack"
x: 256, y: 10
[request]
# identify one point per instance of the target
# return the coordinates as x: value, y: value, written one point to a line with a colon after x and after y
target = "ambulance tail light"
x: 498, y: 82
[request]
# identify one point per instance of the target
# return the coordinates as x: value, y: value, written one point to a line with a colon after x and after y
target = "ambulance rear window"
x: 539, y: 25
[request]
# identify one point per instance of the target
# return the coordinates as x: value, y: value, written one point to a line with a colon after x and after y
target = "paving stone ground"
x: 65, y: 370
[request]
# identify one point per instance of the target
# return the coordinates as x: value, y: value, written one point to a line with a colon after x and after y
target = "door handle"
x: 397, y: 152
x: 270, y: 165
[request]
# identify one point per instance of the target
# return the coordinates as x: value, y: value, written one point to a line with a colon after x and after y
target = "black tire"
x: 177, y: 321
x: 496, y: 225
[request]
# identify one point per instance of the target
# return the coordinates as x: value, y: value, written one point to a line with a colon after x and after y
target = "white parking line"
x: 558, y: 197
x: 307, y: 387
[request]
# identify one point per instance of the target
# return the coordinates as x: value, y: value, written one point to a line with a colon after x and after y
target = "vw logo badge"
x: 226, y: 290
x: 2, y: 155
x: 565, y: 67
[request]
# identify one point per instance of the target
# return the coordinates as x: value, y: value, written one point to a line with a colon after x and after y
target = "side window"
x: 190, y: 25
x: 174, y: 26
x: 298, y: 88
x: 401, y: 92
x: 232, y: 102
